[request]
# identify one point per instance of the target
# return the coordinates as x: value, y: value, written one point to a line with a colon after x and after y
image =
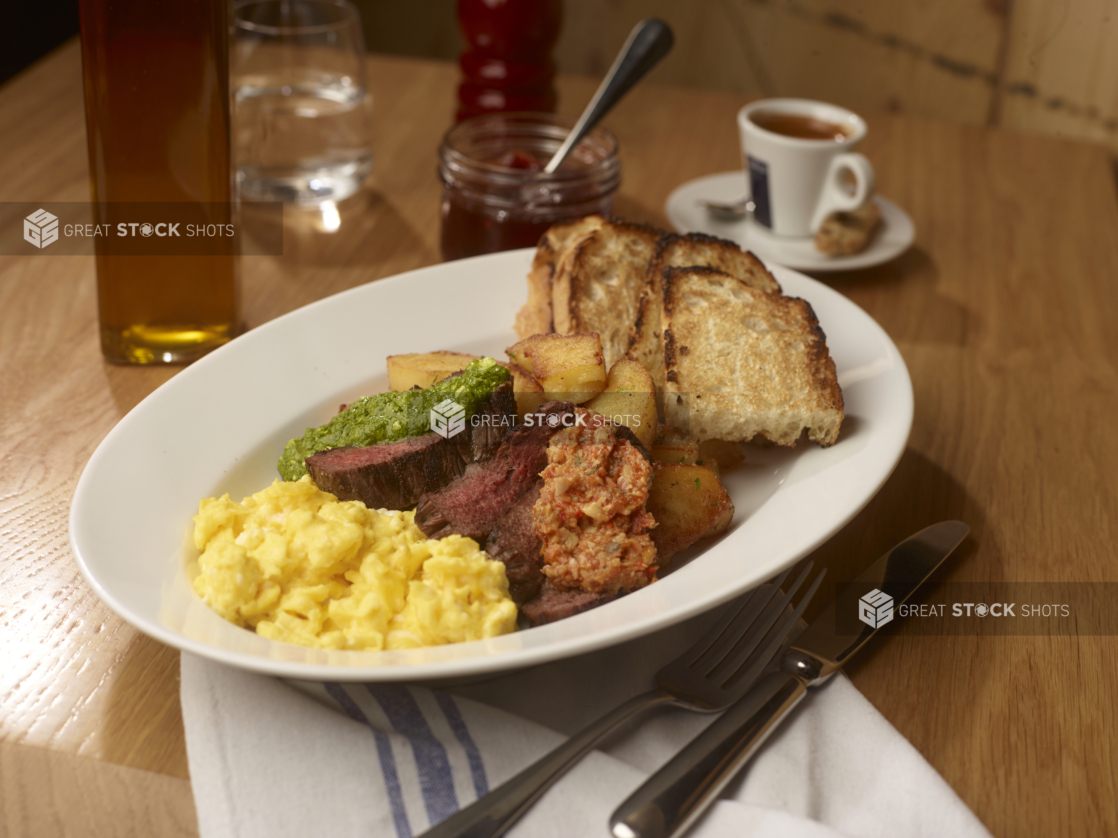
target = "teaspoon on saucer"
x: 732, y: 211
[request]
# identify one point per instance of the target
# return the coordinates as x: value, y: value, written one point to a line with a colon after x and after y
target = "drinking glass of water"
x: 301, y: 113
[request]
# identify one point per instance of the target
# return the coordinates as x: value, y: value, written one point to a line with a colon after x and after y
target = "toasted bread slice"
x: 534, y: 317
x: 675, y: 251
x: 741, y: 362
x: 598, y: 284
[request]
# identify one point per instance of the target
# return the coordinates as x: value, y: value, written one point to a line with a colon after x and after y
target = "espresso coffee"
x: 799, y: 126
x: 798, y: 155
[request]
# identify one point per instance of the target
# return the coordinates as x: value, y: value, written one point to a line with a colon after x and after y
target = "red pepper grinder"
x: 507, y: 63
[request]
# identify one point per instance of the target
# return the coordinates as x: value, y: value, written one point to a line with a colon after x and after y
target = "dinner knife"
x: 674, y: 797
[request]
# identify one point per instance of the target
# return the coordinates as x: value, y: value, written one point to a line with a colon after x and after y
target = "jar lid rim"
x: 453, y: 157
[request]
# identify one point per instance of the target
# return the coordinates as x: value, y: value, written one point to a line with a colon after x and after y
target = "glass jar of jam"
x: 496, y: 195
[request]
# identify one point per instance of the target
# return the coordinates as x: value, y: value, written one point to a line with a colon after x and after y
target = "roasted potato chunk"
x: 528, y: 392
x: 569, y: 367
x: 726, y: 455
x: 673, y: 446
x: 629, y: 399
x: 670, y: 435
x: 520, y: 353
x: 422, y: 369
x: 688, y: 502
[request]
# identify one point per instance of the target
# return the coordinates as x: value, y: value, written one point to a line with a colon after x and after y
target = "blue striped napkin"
x: 275, y: 758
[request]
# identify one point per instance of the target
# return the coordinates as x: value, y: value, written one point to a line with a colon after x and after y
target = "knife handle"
x: 672, y: 798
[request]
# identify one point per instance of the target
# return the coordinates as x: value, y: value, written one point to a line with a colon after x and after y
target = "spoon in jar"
x: 650, y: 40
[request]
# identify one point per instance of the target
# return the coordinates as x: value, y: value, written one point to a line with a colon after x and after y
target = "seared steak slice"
x: 515, y: 543
x: 553, y: 604
x: 471, y: 505
x: 489, y: 427
x: 393, y: 475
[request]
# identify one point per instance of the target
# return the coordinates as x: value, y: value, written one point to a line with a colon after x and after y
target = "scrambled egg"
x: 300, y: 566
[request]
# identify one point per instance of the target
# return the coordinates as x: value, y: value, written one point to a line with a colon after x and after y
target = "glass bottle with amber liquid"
x: 158, y: 108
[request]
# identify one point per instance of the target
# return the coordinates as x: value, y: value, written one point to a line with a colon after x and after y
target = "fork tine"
x: 751, y: 668
x: 734, y: 623
x: 760, y: 628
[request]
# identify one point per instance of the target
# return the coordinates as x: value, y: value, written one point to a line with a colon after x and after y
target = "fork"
x: 711, y: 675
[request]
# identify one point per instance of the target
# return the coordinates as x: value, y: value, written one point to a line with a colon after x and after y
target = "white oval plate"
x: 897, y: 231
x: 220, y: 424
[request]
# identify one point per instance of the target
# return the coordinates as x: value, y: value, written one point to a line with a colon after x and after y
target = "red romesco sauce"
x: 592, y: 516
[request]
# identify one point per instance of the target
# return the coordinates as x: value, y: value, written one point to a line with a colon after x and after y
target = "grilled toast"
x: 741, y: 362
x: 676, y: 251
x: 598, y: 283
x: 534, y: 317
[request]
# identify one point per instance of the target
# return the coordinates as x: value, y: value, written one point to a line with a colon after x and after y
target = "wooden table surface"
x: 1004, y: 311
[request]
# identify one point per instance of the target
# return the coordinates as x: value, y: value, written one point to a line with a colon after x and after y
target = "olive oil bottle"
x: 158, y: 109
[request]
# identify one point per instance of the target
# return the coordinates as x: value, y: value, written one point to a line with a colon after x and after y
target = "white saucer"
x: 687, y: 216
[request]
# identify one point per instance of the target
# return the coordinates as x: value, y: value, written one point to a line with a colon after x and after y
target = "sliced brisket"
x: 553, y: 604
x: 515, y: 543
x: 471, y: 505
x: 394, y: 475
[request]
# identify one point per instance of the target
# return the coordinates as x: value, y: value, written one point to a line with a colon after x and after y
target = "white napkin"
x: 272, y: 758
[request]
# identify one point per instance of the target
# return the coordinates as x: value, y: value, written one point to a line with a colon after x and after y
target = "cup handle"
x: 835, y: 197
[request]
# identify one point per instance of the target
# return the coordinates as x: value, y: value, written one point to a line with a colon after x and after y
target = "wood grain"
x: 932, y: 58
x: 1062, y: 69
x: 1002, y: 310
x: 1002, y: 321
x: 1030, y: 65
x: 75, y: 678
x: 57, y: 795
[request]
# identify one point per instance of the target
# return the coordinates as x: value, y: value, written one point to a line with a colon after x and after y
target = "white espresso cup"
x: 800, y: 164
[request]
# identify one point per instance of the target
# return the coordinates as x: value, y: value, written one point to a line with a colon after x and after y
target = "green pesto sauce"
x: 388, y: 417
